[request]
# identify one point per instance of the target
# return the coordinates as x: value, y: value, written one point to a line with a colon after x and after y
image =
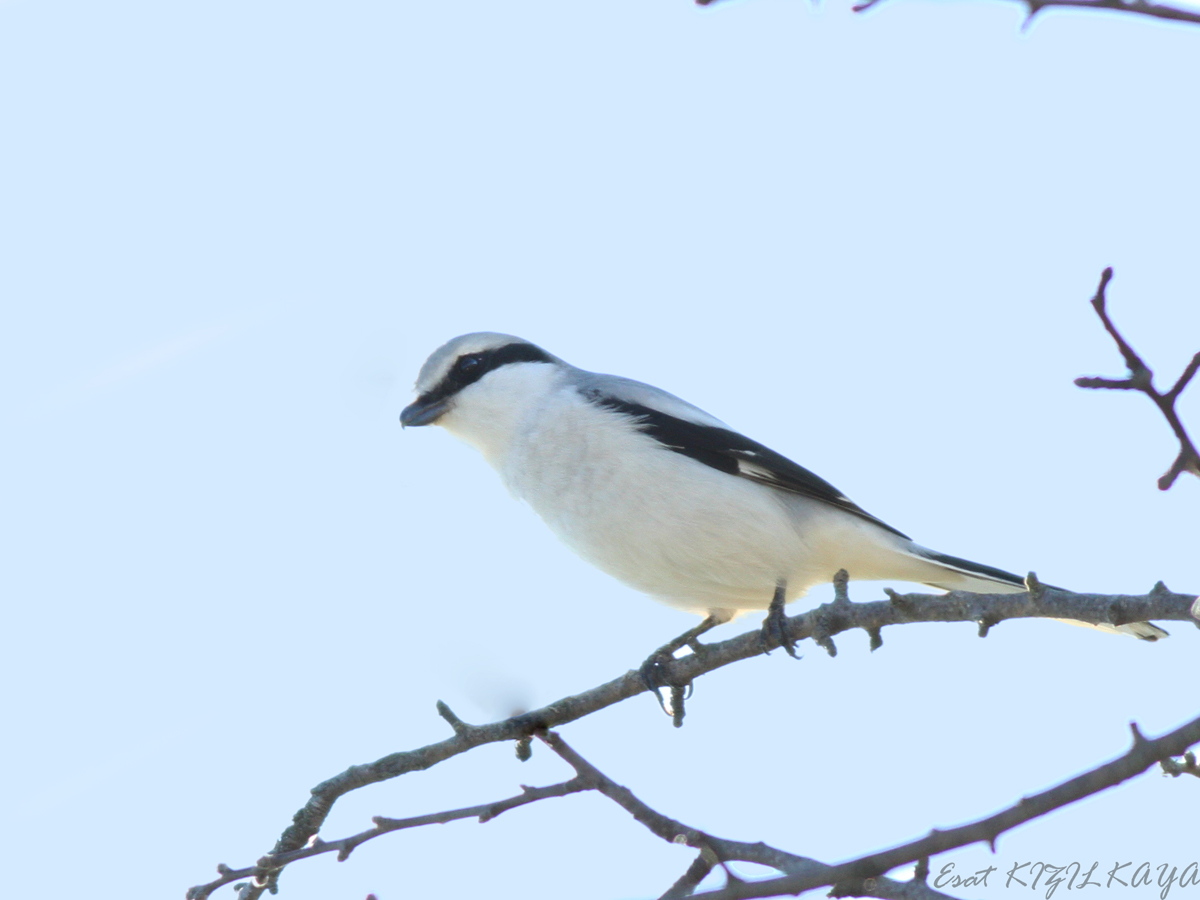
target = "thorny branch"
x: 485, y: 812
x: 714, y: 851
x: 821, y: 624
x: 1141, y: 756
x: 1141, y: 378
x: 862, y: 877
x: 1137, y: 7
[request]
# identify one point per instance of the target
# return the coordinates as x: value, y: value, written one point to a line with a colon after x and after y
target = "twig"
x: 271, y: 865
x: 828, y: 620
x: 1141, y: 756
x: 1137, y: 7
x: 715, y: 850
x: 690, y: 880
x: 1141, y: 378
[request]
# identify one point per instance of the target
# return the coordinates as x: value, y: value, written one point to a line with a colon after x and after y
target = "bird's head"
x: 477, y: 383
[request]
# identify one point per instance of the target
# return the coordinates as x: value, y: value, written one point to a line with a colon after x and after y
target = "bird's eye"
x: 467, y: 365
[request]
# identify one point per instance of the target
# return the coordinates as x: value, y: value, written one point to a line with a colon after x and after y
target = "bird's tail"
x: 964, y: 575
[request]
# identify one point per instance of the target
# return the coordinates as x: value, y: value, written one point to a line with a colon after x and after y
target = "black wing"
x: 734, y: 454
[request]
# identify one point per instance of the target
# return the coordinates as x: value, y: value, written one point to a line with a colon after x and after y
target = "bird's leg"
x: 774, y: 629
x: 651, y: 671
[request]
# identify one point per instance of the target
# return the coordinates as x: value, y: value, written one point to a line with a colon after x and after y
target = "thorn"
x: 876, y: 638
x: 490, y: 813
x: 1037, y: 590
x: 1138, y: 738
x: 459, y: 726
x: 1159, y: 592
x: 1177, y: 467
x: 992, y: 844
x: 922, y: 871
x: 897, y: 600
x: 1099, y: 300
x: 985, y: 626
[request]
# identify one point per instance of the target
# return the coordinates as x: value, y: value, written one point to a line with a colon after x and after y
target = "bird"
x: 666, y: 498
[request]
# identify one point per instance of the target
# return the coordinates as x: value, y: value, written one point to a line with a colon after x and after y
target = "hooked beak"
x: 423, y: 411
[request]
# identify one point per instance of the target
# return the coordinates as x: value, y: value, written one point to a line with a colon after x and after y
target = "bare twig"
x: 715, y: 850
x: 1137, y: 7
x: 271, y: 865
x: 690, y: 880
x: 1141, y: 756
x: 1141, y: 378
x: 826, y: 621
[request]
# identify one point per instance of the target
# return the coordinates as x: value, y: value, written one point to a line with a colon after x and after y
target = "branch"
x: 270, y: 865
x: 1141, y: 378
x: 715, y: 850
x: 821, y: 624
x: 1137, y: 7
x: 1141, y: 756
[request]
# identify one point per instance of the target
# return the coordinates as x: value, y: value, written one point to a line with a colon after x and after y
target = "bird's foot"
x: 653, y: 675
x: 654, y: 671
x: 774, y: 629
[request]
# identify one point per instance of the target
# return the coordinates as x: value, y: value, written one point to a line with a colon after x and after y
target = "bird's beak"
x: 423, y: 411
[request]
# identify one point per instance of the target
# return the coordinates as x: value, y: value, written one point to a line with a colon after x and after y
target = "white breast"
x: 661, y: 522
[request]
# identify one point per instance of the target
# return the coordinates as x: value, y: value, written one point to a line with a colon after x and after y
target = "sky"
x: 232, y: 232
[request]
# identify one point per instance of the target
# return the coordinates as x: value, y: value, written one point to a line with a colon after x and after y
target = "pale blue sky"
x: 233, y: 231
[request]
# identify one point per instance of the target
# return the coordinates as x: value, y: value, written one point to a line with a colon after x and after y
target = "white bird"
x: 664, y: 497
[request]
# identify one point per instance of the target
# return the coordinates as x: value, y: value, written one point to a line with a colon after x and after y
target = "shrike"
x: 664, y: 497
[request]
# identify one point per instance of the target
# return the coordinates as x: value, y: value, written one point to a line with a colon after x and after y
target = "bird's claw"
x: 774, y: 628
x: 653, y: 675
x: 653, y: 672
